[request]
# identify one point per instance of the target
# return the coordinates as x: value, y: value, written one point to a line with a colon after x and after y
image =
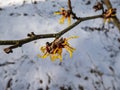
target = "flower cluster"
x: 55, y: 48
x: 108, y: 14
x: 66, y: 14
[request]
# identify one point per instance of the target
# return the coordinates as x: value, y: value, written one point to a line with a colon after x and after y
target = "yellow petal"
x: 57, y: 13
x: 53, y: 57
x: 62, y: 19
x: 72, y: 37
x: 60, y: 57
x: 62, y: 9
x: 108, y: 20
x: 104, y: 20
x: 57, y: 55
x: 43, y: 49
x: 44, y: 56
x: 39, y: 55
x: 70, y: 50
x: 66, y: 40
x: 69, y: 20
x: 55, y: 51
x: 60, y: 54
x: 113, y: 15
x: 59, y: 51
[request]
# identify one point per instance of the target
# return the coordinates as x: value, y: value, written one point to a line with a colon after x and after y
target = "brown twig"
x: 71, y: 11
x: 69, y: 5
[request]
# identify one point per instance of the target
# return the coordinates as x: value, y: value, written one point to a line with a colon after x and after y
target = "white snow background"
x: 95, y: 53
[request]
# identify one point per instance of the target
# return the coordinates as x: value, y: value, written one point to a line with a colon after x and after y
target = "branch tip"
x: 8, y: 50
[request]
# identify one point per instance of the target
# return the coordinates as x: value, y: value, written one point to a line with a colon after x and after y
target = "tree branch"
x: 32, y: 36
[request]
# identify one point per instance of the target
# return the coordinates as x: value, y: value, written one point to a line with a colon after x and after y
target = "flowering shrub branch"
x: 19, y: 43
x: 110, y: 13
x: 55, y: 48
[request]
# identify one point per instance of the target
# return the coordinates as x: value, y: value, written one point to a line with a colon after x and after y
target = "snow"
x: 94, y: 50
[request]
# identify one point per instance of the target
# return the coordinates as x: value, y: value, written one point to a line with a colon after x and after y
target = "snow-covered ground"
x: 95, y: 63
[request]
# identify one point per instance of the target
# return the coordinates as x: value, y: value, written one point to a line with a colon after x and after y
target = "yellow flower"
x: 65, y: 15
x: 54, y: 49
x: 109, y: 14
x: 54, y: 53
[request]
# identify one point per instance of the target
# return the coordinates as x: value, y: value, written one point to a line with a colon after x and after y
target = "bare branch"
x: 71, y: 11
x: 69, y: 5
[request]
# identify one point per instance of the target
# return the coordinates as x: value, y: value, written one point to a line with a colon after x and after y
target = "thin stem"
x: 69, y: 5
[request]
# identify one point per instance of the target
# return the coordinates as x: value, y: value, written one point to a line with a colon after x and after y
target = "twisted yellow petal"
x: 57, y: 13
x: 43, y: 49
x: 53, y: 57
x: 44, y: 55
x: 70, y: 50
x: 69, y: 20
x: 59, y: 56
x: 62, y: 19
x: 62, y: 9
x: 72, y: 37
